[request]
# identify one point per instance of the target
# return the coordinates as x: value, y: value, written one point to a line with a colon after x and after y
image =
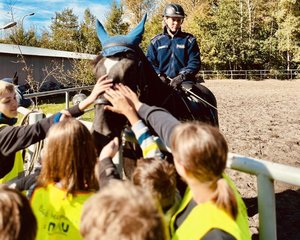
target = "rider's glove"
x: 176, y: 81
x: 163, y: 78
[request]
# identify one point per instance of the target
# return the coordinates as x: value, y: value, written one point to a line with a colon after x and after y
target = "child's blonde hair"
x: 122, y: 211
x: 6, y: 87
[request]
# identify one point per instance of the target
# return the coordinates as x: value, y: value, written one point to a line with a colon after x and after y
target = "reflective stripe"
x: 18, y: 167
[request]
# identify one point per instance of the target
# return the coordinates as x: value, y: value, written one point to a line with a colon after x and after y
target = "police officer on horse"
x: 175, y: 54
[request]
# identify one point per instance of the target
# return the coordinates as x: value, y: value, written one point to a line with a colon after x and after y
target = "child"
x: 17, y: 220
x: 66, y: 180
x: 122, y: 211
x: 211, y: 205
x: 15, y: 138
x: 152, y: 173
x: 159, y: 178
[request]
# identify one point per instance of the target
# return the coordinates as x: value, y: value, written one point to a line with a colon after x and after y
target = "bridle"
x: 133, y: 53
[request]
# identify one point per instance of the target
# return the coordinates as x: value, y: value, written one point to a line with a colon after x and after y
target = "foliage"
x: 135, y: 9
x: 64, y: 28
x: 114, y: 24
x: 21, y: 37
x: 88, y: 41
x: 152, y: 27
x: 243, y: 34
x: 288, y: 33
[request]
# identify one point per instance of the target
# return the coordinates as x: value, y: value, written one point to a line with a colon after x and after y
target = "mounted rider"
x: 174, y: 54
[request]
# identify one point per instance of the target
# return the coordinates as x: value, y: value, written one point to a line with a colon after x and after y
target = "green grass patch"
x: 51, y: 105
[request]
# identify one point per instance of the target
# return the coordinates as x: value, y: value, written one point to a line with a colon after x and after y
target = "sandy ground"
x: 261, y: 119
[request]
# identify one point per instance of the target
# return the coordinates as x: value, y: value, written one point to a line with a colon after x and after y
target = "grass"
x: 51, y: 105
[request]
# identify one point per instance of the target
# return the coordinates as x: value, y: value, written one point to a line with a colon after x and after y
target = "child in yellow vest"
x: 211, y: 207
x: 66, y: 180
x: 15, y: 138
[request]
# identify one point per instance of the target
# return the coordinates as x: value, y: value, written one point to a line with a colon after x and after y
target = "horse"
x: 124, y: 61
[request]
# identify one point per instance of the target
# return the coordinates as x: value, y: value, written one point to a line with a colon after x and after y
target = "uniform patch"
x: 180, y: 46
x: 163, y: 46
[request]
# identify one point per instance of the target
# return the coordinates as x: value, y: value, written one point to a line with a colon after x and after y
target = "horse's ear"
x: 138, y: 31
x: 101, y: 33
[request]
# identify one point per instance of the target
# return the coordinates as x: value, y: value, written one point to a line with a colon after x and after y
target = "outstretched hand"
x: 100, y: 87
x: 110, y: 149
x: 124, y: 101
x: 122, y: 97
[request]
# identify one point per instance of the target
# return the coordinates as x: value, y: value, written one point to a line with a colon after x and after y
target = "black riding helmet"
x: 174, y: 10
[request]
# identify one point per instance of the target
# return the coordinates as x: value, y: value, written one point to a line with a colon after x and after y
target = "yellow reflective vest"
x: 213, y: 217
x: 58, y: 214
x: 18, y: 167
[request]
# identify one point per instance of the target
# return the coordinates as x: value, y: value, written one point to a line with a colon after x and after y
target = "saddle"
x: 200, y: 102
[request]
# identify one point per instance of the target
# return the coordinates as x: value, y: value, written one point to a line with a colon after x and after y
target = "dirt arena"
x: 261, y: 119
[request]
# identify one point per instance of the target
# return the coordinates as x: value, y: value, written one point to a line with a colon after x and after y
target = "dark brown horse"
x: 125, y: 62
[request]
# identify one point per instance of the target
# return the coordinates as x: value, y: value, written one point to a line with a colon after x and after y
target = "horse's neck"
x: 156, y: 91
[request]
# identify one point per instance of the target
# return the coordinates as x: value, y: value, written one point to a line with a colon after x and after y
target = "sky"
x: 44, y: 10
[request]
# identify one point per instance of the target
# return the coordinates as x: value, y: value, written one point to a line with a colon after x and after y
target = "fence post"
x: 67, y: 99
x: 33, y: 118
x: 266, y: 207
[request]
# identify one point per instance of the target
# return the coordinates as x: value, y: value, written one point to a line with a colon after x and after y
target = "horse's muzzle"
x: 101, y: 101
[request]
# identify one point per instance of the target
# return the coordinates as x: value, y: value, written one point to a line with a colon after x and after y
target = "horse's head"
x: 120, y: 60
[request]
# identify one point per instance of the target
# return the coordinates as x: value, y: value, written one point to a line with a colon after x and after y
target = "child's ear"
x: 181, y: 170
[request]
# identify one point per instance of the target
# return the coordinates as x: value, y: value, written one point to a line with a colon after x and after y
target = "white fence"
x: 250, y: 74
x: 265, y: 171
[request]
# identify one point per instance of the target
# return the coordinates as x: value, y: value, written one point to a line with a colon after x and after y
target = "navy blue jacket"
x: 174, y: 56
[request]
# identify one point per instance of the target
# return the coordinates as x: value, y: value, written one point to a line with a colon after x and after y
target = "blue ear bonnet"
x: 112, y: 45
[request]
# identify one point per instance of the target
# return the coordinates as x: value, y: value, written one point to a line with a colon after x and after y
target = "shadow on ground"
x: 287, y: 214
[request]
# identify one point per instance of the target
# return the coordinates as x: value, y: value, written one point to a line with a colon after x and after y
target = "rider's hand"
x: 176, y: 81
x: 163, y: 78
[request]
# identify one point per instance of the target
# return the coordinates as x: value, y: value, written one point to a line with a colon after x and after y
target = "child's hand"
x: 110, y: 149
x: 130, y: 95
x: 100, y: 87
x: 120, y: 103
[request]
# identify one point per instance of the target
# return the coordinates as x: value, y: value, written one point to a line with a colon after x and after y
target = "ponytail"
x: 224, y: 198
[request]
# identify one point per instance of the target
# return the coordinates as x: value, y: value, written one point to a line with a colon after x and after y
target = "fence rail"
x: 65, y: 91
x: 250, y: 74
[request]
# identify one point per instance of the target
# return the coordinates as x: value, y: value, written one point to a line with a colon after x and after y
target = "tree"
x: 288, y: 33
x: 20, y: 37
x: 114, y: 23
x: 137, y: 8
x: 88, y: 40
x: 64, y: 28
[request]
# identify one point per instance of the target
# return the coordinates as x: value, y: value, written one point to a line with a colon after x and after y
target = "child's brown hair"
x: 158, y: 177
x: 69, y: 157
x: 17, y: 220
x: 122, y: 211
